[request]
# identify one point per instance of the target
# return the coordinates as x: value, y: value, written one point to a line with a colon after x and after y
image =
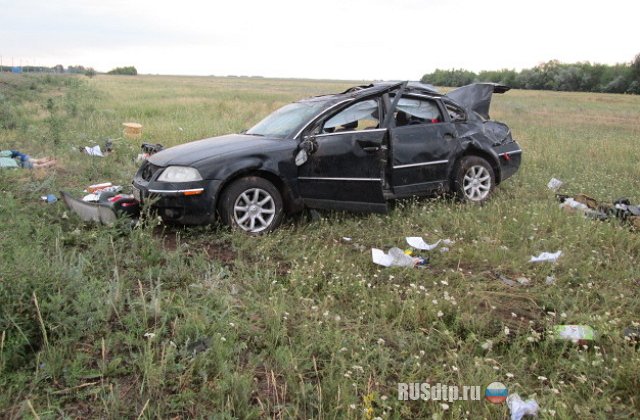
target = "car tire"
x: 474, y: 179
x: 251, y: 204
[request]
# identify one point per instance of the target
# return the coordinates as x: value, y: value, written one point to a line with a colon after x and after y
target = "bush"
x: 452, y: 78
x: 129, y: 71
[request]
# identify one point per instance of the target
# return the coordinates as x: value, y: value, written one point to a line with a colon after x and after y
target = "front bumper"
x: 188, y: 203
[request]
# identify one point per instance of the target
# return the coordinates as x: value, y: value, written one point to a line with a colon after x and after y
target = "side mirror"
x: 307, y: 147
x: 301, y: 157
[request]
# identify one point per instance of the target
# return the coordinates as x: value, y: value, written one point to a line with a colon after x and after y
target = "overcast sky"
x: 334, y: 39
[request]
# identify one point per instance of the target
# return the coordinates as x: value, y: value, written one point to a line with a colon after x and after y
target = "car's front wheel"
x: 474, y: 179
x: 252, y: 204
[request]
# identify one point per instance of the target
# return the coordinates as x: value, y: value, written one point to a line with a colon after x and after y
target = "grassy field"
x: 163, y: 322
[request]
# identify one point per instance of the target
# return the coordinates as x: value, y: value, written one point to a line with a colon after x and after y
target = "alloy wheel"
x: 477, y: 183
x: 254, y: 210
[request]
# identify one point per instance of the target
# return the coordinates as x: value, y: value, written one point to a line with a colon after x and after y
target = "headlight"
x: 180, y: 174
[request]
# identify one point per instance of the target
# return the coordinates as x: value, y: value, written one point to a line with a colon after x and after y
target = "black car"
x: 354, y: 151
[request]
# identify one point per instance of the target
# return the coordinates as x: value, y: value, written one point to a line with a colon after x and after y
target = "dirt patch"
x: 495, y: 310
x: 172, y: 239
x: 270, y: 392
x: 222, y: 252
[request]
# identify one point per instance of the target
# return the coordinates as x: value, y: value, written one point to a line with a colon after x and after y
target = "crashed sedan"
x: 353, y: 151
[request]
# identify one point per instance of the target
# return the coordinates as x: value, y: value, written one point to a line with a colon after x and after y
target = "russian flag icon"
x: 496, y: 393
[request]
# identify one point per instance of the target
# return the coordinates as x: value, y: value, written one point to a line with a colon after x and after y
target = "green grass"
x: 173, y: 322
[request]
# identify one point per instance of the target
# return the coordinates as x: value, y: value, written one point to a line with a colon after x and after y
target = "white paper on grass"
x: 546, y: 257
x: 396, y: 258
x: 418, y: 243
x: 520, y: 408
x: 93, y: 151
x: 554, y: 184
x: 379, y: 257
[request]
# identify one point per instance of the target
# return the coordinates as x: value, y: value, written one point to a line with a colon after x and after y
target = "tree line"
x: 552, y: 75
x: 60, y: 69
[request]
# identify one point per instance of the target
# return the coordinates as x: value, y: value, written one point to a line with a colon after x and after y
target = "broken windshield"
x: 284, y: 122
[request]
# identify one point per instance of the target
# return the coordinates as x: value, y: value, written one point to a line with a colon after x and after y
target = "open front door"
x: 346, y: 171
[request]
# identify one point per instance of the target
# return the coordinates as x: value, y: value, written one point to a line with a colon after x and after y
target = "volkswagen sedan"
x: 353, y: 151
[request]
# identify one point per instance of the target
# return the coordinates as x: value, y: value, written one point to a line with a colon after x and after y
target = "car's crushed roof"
x: 372, y: 88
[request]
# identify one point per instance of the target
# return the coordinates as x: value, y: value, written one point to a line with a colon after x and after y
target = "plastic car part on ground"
x: 520, y: 408
x: 49, y: 198
x: 106, y: 211
x: 546, y: 257
x: 396, y: 258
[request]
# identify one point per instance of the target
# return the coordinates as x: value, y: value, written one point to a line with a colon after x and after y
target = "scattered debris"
x: 49, y: 198
x: 580, y: 334
x: 554, y: 184
x: 98, y: 187
x: 520, y: 281
x: 546, y: 257
x: 632, y: 334
x: 396, y: 258
x: 92, y: 151
x: 108, y: 145
x: 91, y: 198
x: 621, y: 208
x: 550, y: 280
x: 149, y: 149
x: 520, y: 408
x: 105, y: 211
x: 418, y: 243
x: 507, y: 281
x: 132, y: 130
x: 571, y: 204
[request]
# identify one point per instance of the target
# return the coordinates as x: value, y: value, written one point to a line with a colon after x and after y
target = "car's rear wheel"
x: 251, y: 204
x: 474, y: 179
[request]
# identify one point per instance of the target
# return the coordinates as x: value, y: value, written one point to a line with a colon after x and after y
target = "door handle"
x: 448, y: 136
x: 368, y: 146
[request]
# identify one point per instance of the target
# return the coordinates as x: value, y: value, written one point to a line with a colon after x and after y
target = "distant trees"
x: 76, y: 69
x: 90, y: 72
x: 552, y: 75
x: 129, y: 71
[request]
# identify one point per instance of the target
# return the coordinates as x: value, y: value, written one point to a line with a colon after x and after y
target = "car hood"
x: 190, y: 154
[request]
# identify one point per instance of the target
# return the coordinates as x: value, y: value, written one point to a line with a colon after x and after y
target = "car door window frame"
x: 434, y: 101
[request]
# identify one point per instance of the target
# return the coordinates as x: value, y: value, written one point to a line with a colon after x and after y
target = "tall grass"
x: 173, y: 322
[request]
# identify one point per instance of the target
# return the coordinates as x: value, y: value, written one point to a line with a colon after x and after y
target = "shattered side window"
x: 359, y: 116
x: 456, y: 113
x: 411, y: 111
